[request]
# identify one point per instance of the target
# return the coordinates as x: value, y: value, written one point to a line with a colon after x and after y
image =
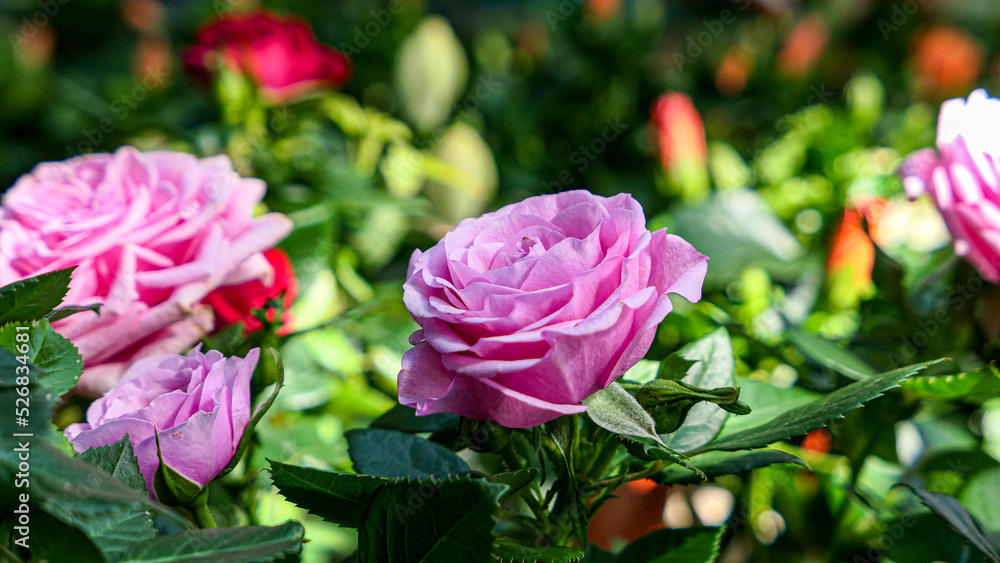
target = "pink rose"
x: 526, y: 311
x: 281, y: 55
x: 151, y: 235
x: 963, y: 178
x: 199, y: 404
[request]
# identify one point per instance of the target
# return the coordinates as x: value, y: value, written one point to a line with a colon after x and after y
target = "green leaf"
x: 683, y: 545
x: 618, y: 412
x: 32, y: 298
x: 714, y: 366
x: 340, y: 498
x: 510, y: 551
x: 675, y: 366
x: 37, y: 401
x: 171, y: 487
x: 387, y: 453
x: 258, y: 414
x: 828, y: 354
x: 804, y: 418
x: 405, y: 419
x: 249, y: 544
x: 565, y: 432
x: 112, y: 515
x: 55, y: 540
x: 951, y: 511
x: 714, y: 464
x: 431, y: 520
x: 58, y: 360
x: 515, y: 480
x: 119, y: 461
x: 70, y: 310
x: 974, y: 386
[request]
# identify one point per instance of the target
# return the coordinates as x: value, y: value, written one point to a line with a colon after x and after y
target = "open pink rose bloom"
x: 526, y: 311
x: 151, y: 234
x: 199, y: 404
x: 963, y: 178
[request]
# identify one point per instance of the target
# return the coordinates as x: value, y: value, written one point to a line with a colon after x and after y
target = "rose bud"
x: 198, y: 406
x: 151, y: 234
x: 528, y: 310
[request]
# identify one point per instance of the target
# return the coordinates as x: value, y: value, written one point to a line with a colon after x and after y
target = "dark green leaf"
x: 249, y: 544
x: 565, y: 432
x: 119, y: 461
x: 32, y: 298
x: 515, y: 480
x: 684, y: 545
x: 804, y: 418
x: 54, y: 540
x: 714, y: 464
x: 392, y: 454
x: 509, y: 551
x: 828, y: 354
x: 405, y: 419
x: 340, y: 498
x: 111, y: 514
x: 436, y: 520
x: 258, y: 414
x: 674, y: 366
x: 951, y: 511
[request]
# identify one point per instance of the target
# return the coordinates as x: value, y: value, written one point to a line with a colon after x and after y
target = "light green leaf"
x: 510, y: 551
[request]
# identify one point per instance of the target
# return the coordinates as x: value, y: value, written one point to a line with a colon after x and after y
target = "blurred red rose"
x: 236, y: 303
x: 281, y: 55
x: 947, y: 61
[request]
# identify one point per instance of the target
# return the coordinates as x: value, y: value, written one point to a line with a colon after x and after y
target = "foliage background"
x: 797, y: 134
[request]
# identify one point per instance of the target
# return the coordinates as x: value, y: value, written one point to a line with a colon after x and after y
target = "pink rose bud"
x: 526, y: 311
x: 281, y: 55
x: 151, y: 235
x: 198, y: 404
x: 680, y: 135
x: 963, y: 178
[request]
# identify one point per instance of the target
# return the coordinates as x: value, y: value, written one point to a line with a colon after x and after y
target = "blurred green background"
x: 460, y: 107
